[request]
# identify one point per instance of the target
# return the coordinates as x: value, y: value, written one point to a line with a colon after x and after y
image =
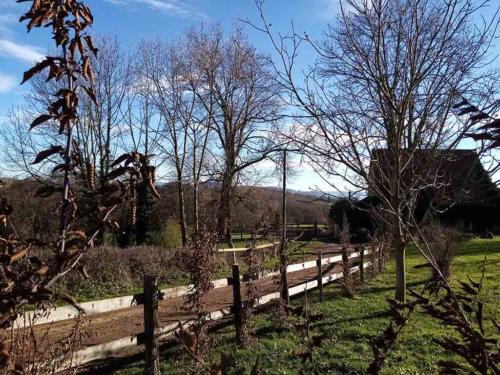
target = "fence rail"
x: 239, y: 249
x: 65, y: 312
x: 102, y: 351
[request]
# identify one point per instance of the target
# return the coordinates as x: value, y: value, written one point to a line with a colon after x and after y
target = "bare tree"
x: 378, y: 109
x: 242, y: 102
x: 199, y: 140
x: 163, y: 68
x: 143, y: 133
x: 97, y: 129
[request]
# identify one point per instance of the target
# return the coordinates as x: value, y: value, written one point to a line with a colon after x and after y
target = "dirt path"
x: 113, y: 325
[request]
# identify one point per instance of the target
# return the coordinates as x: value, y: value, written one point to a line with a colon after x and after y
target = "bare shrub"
x: 383, y: 344
x: 32, y: 352
x: 460, y: 309
x: 253, y: 261
x: 199, y: 260
x: 379, y: 252
x: 463, y: 311
x: 441, y: 243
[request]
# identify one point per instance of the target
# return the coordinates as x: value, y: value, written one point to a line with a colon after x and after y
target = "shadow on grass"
x: 268, y: 331
x: 169, y: 349
x: 375, y: 290
x: 135, y: 361
x: 376, y: 315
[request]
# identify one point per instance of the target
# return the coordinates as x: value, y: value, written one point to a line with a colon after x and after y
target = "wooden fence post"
x: 151, y: 296
x: 362, y: 263
x: 320, y: 275
x: 315, y: 230
x: 284, y: 293
x: 237, y: 306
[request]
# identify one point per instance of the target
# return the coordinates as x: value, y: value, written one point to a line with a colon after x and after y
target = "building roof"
x: 452, y: 176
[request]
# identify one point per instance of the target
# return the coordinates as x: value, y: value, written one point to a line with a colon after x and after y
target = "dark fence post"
x: 315, y: 230
x: 320, y: 275
x: 237, y: 306
x: 152, y: 360
x: 362, y: 263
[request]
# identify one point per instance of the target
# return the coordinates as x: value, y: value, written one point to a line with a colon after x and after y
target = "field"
x: 350, y: 325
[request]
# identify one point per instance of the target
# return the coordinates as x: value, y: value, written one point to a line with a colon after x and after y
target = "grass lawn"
x: 350, y: 325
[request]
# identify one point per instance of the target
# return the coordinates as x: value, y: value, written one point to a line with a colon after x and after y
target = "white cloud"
x: 7, y: 83
x: 330, y: 9
x: 171, y: 7
x: 20, y: 51
x: 6, y: 20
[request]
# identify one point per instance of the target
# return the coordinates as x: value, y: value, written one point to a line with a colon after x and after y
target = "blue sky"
x: 132, y: 20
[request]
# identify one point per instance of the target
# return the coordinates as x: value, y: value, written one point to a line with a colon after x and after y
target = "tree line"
x: 252, y: 205
x: 201, y: 108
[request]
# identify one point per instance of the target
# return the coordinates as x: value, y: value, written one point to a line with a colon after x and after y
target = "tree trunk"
x: 196, y: 208
x: 224, y: 224
x: 182, y: 215
x: 399, y: 254
x: 397, y: 197
x: 142, y: 224
x: 285, y: 296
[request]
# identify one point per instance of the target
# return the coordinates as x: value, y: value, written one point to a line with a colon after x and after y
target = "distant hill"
x: 251, y: 206
x: 327, y: 196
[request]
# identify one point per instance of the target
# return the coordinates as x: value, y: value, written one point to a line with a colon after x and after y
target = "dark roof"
x: 454, y: 176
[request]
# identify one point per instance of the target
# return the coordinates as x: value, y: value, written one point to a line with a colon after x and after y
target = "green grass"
x: 351, y: 324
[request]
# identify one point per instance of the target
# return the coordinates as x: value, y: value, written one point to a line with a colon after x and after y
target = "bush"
x: 116, y: 271
x: 442, y: 243
x: 170, y: 237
